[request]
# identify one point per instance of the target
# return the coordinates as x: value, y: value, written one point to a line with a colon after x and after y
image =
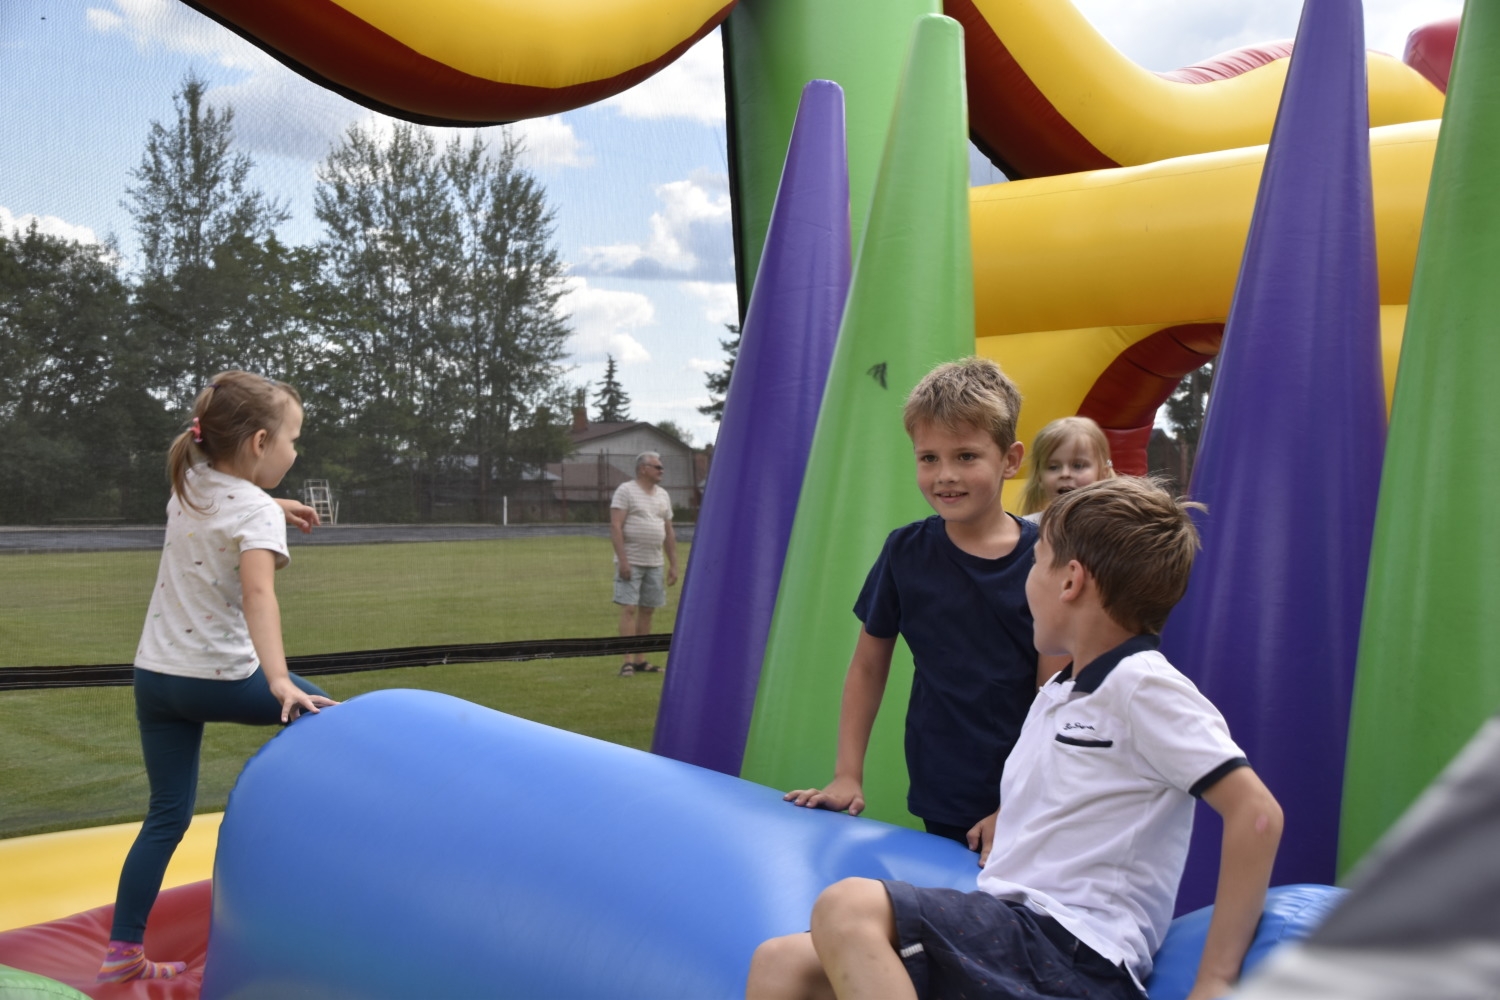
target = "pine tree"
x: 1186, y: 408
x: 613, y: 403
x: 204, y: 234
x: 718, y: 382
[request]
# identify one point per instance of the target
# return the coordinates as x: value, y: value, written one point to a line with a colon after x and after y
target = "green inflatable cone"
x: 911, y: 307
x: 1429, y: 654
x: 772, y: 48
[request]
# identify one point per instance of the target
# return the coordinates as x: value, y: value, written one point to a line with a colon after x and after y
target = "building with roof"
x: 603, y: 457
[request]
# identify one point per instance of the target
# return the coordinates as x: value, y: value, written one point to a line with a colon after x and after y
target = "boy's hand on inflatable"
x: 841, y: 794
x: 982, y: 836
x: 299, y: 515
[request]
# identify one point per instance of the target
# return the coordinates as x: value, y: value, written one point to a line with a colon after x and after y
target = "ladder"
x: 317, y: 495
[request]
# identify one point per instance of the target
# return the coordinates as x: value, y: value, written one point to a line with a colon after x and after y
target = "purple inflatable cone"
x: 769, y: 413
x: 1290, y: 461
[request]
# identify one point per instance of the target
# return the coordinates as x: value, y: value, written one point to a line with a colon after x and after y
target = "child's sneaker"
x: 126, y: 961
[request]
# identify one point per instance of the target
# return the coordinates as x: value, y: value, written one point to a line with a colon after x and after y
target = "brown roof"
x: 589, y: 474
x: 596, y: 430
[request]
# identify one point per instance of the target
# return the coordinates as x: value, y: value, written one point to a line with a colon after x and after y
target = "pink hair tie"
x: 197, y: 432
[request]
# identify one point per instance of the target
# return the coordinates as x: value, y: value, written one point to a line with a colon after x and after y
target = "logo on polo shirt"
x: 1079, y: 741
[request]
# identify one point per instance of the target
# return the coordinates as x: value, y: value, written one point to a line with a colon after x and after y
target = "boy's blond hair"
x: 1135, y: 539
x: 973, y: 391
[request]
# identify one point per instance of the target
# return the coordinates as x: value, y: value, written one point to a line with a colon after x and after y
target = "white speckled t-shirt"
x: 195, y: 626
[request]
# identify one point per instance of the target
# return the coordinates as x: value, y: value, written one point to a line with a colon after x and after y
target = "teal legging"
x: 171, y: 712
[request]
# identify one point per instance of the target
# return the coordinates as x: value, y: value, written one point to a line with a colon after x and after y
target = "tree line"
x: 422, y: 328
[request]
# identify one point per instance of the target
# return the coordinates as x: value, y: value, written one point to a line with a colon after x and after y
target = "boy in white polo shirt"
x: 1096, y: 802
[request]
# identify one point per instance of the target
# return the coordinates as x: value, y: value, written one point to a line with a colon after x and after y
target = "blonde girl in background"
x: 1068, y: 453
x: 211, y: 649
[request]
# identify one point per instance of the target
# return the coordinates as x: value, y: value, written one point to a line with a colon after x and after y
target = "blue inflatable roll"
x: 412, y: 844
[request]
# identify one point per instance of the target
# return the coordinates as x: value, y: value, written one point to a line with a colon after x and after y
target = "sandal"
x: 627, y: 670
x: 649, y: 668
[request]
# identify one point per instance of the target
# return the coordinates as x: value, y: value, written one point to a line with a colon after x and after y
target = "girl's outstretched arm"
x: 263, y: 617
x: 299, y: 515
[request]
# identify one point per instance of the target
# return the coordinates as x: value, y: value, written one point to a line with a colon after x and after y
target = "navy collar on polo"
x: 1093, y: 675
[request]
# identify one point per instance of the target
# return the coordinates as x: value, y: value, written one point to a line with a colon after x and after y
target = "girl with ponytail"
x: 211, y: 649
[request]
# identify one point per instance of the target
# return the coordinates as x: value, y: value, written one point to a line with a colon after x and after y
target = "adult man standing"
x: 640, y: 526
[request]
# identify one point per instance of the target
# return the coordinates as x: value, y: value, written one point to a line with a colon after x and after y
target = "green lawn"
x: 71, y: 758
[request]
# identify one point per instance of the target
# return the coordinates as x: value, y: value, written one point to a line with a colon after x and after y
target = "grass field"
x: 71, y: 758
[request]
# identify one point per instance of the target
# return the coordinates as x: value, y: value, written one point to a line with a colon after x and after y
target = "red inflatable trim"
x: 1011, y: 120
x: 1127, y: 449
x: 1125, y: 397
x: 70, y: 950
x: 1429, y: 51
x: 1232, y: 63
x: 335, y: 49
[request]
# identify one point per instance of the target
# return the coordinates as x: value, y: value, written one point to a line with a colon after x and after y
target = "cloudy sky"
x: 639, y: 182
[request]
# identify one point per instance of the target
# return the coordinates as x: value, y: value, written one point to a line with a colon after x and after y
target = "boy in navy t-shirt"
x: 954, y: 586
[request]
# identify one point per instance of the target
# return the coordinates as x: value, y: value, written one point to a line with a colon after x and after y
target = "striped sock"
x: 126, y: 961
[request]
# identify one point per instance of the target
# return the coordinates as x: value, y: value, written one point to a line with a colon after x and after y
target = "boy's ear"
x: 1013, y: 456
x: 1074, y: 576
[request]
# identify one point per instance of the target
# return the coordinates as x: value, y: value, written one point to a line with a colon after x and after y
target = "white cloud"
x: 705, y: 366
x: 175, y: 27
x: 1388, y: 22
x: 49, y: 224
x: 721, y: 300
x: 1165, y: 35
x: 103, y: 21
x: 604, y: 321
x: 279, y: 113
x: 691, y: 88
x: 551, y: 142
x: 276, y: 112
x: 690, y: 237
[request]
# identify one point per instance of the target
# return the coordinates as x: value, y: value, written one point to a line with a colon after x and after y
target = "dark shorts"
x: 971, y: 945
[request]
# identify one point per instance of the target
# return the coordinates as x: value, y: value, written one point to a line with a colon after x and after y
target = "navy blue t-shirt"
x: 969, y: 630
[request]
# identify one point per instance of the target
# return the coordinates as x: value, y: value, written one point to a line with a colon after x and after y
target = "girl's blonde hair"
x: 226, y: 414
x: 1053, y: 437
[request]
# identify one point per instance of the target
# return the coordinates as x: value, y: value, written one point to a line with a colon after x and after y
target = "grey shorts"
x: 643, y: 589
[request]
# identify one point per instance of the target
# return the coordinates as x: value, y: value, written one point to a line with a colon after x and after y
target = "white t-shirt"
x: 646, y: 518
x: 195, y: 626
x: 1096, y: 803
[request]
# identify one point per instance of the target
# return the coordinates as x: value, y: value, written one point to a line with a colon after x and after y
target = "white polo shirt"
x: 1096, y: 804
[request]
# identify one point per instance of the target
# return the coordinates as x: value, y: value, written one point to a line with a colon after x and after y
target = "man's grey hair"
x: 644, y: 458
